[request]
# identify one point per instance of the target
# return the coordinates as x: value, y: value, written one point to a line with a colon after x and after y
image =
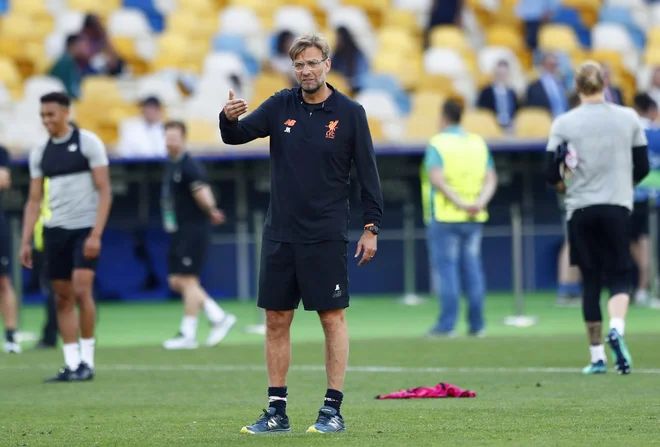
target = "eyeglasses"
x: 314, y: 64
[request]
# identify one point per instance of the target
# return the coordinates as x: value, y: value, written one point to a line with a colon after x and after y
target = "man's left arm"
x: 489, y: 187
x: 97, y: 157
x: 197, y: 181
x: 5, y: 174
x: 371, y: 195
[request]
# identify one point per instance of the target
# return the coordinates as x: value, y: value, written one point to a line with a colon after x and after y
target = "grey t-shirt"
x: 72, y: 197
x: 602, y: 136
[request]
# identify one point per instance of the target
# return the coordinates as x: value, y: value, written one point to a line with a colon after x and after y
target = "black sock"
x: 277, y: 399
x: 9, y: 335
x: 333, y: 399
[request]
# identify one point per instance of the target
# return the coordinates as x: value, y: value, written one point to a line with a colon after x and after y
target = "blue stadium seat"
x: 4, y: 6
x: 229, y: 42
x: 154, y: 16
x: 570, y: 17
x: 389, y: 84
x: 617, y: 14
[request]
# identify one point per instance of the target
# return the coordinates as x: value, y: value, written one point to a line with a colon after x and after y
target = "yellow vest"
x: 464, y: 163
x: 45, y: 214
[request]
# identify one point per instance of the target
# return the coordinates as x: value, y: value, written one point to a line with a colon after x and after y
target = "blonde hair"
x: 589, y: 79
x: 309, y: 40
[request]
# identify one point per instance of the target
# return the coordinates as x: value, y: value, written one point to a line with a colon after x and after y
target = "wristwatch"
x: 373, y: 228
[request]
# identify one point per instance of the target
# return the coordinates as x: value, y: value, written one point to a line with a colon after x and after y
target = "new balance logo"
x: 289, y: 124
x: 287, y: 130
x: 337, y: 293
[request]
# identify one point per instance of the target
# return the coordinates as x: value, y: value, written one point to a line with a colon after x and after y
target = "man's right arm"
x: 253, y: 126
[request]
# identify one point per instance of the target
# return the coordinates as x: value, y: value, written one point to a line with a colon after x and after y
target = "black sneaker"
x: 329, y: 421
x: 65, y: 375
x: 269, y: 422
x: 84, y: 372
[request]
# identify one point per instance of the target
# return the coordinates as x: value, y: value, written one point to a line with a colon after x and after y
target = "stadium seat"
x: 588, y: 9
x: 197, y: 6
x: 427, y: 103
x: 239, y: 20
x: 128, y: 23
x: 532, y: 123
x: 571, y: 17
x: 448, y: 36
x: 69, y: 22
x: 609, y: 57
x: 375, y: 9
x: 191, y: 25
x: 200, y: 133
x: 103, y: 8
x: 653, y: 36
x: 165, y: 89
x: 558, y: 37
x: 11, y: 77
x: 224, y: 64
x: 482, y: 122
x: 654, y: 10
x: 100, y: 90
x: 444, y: 61
x: 622, y: 16
x: 403, y: 20
x: 389, y: 84
x: 378, y: 104
x: 416, y: 6
x: 37, y: 86
x: 338, y: 81
x: 236, y: 44
x: 504, y: 36
x: 376, y: 129
x: 652, y: 56
x: 166, y: 6
x: 266, y: 84
x: 420, y: 128
x: 611, y: 36
x: 296, y: 19
x: 437, y: 83
x: 357, y: 22
x: 397, y: 40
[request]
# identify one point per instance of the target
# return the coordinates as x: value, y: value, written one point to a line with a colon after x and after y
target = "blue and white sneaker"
x: 599, y: 367
x: 328, y: 422
x: 622, y: 358
x: 269, y: 422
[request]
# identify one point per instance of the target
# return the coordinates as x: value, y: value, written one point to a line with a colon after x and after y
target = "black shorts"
x: 188, y: 250
x: 639, y: 220
x: 64, y: 252
x: 5, y: 248
x: 317, y: 273
x: 599, y: 239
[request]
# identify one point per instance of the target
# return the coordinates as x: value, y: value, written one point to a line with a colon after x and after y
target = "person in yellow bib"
x: 461, y: 181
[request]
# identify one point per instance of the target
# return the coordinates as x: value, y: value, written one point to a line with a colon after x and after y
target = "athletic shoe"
x: 180, y: 342
x: 329, y: 421
x: 84, y: 372
x: 622, y: 358
x: 11, y: 347
x: 269, y: 422
x: 220, y: 330
x: 436, y: 333
x: 64, y: 375
x: 599, y: 367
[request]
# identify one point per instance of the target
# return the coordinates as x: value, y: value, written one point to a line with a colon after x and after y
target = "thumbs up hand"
x: 234, y: 107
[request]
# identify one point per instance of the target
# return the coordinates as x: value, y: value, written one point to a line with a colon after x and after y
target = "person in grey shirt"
x: 77, y: 203
x: 597, y: 154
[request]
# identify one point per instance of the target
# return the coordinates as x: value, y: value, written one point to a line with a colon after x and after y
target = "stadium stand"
x: 189, y: 53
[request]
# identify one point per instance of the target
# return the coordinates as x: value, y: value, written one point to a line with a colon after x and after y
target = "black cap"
x: 150, y: 101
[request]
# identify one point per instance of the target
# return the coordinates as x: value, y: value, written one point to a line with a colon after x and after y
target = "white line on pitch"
x: 321, y: 368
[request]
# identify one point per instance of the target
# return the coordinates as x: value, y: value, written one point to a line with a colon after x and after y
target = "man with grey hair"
x: 316, y: 133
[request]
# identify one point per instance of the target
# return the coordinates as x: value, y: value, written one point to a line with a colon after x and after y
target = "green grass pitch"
x: 529, y: 389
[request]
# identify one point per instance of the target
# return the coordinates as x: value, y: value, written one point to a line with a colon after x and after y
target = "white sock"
x: 214, y: 313
x: 619, y: 324
x: 71, y: 355
x: 87, y: 351
x: 189, y: 327
x: 597, y: 353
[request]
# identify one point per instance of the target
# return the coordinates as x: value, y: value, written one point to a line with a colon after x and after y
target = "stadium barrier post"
x: 410, y: 296
x: 519, y: 319
x: 258, y: 222
x: 653, y: 241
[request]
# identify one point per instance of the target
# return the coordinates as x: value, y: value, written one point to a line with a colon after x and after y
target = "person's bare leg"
x: 336, y: 346
x: 8, y: 308
x: 83, y: 282
x: 67, y: 322
x: 188, y: 287
x: 640, y: 251
x: 278, y: 346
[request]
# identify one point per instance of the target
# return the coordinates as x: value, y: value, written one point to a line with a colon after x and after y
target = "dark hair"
x: 644, y: 103
x: 176, y: 125
x: 60, y: 98
x: 346, y: 52
x: 281, y: 46
x: 502, y: 63
x: 71, y: 40
x: 452, y: 111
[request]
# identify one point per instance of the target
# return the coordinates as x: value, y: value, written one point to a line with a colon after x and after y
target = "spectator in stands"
x: 280, y: 62
x: 348, y: 59
x: 548, y: 91
x: 443, y: 12
x: 463, y: 181
x: 647, y: 109
x: 69, y: 67
x: 499, y: 96
x: 612, y: 93
x: 654, y: 91
x: 104, y: 59
x: 535, y: 13
x: 143, y: 136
